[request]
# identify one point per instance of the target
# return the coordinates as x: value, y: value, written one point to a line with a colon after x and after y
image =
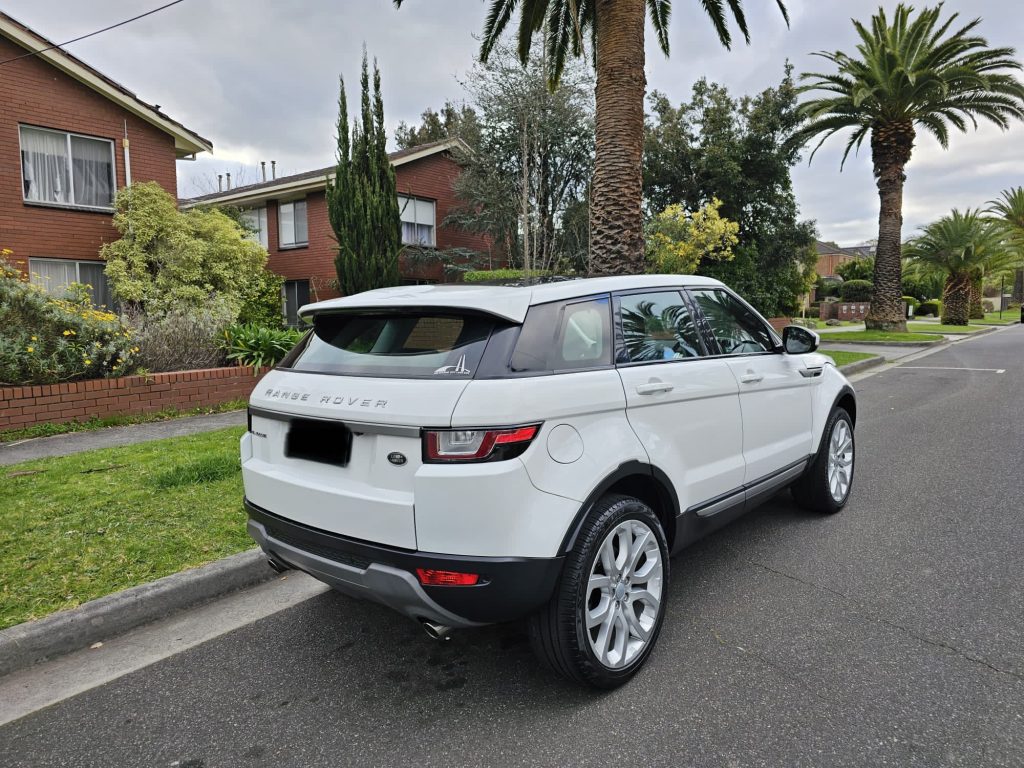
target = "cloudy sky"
x: 259, y: 79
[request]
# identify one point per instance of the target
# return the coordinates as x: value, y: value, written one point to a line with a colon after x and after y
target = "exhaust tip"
x: 436, y: 631
x: 277, y: 565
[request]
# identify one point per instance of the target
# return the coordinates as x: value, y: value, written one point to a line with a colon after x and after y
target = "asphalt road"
x: 890, y: 634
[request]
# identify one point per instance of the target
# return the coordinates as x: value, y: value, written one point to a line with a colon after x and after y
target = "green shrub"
x: 182, y: 339
x: 48, y: 339
x: 258, y: 345
x: 261, y: 300
x: 856, y: 290
x: 487, y: 275
x: 929, y: 308
x: 914, y: 303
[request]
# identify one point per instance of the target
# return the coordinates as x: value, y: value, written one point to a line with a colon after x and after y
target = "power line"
x: 91, y: 34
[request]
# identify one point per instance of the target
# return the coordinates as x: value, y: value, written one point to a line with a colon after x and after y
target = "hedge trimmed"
x: 484, y: 275
x: 856, y: 290
x: 927, y: 308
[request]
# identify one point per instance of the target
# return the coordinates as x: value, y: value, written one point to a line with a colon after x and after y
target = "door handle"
x: 654, y: 388
x: 751, y: 378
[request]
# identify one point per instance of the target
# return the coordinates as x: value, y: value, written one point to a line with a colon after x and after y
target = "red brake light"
x: 446, y: 445
x: 435, y: 578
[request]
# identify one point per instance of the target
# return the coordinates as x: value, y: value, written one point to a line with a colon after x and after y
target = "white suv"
x: 477, y: 454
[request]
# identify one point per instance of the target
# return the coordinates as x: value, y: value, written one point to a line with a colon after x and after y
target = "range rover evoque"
x: 477, y: 454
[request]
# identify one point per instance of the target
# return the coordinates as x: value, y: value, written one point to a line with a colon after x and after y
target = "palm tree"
x: 963, y: 247
x: 616, y: 28
x: 910, y: 74
x: 1010, y: 211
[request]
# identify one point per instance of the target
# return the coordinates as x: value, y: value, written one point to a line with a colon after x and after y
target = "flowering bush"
x: 47, y: 339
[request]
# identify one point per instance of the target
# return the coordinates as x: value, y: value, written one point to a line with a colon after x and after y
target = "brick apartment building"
x: 69, y: 138
x: 289, y: 214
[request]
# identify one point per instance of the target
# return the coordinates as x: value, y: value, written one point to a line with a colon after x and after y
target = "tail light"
x: 441, y: 446
x: 435, y: 578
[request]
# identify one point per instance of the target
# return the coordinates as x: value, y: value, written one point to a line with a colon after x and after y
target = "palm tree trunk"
x: 956, y: 300
x: 977, y: 309
x: 891, y: 145
x: 615, y: 219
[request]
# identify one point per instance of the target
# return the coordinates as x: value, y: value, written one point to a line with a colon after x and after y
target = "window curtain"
x: 44, y: 162
x: 93, y: 172
x: 99, y: 291
x: 51, y: 275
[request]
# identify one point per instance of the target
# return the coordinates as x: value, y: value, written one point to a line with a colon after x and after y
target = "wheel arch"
x: 633, y: 478
x: 847, y: 400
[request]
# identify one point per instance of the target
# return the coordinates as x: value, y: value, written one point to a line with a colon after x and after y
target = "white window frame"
x: 71, y: 170
x: 262, y: 233
x: 433, y: 222
x: 280, y: 230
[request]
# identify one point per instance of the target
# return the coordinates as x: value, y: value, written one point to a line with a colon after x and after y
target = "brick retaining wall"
x: 78, y: 401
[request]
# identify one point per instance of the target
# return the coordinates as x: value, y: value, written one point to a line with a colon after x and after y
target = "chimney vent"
x: 273, y: 169
x: 263, y: 169
x: 220, y: 182
x: 229, y: 180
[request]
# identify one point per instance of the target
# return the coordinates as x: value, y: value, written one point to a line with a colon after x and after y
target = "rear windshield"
x: 404, y: 345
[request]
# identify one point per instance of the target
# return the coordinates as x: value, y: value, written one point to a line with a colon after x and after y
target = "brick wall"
x: 78, y: 401
x: 35, y: 93
x: 431, y: 178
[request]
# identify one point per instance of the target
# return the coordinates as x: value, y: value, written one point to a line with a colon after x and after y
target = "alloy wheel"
x: 840, y: 461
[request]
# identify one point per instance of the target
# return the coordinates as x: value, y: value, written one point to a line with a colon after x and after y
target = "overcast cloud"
x: 259, y: 79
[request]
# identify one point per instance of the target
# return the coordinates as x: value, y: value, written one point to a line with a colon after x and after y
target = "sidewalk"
x: 76, y: 442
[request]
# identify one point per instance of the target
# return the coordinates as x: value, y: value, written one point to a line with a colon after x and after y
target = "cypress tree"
x: 362, y: 200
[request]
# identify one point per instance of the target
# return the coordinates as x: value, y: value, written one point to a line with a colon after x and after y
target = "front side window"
x: 658, y: 326
x: 66, y: 169
x: 255, y: 222
x: 561, y: 336
x: 734, y: 325
x: 428, y: 344
x: 291, y: 224
x: 417, y: 220
x: 296, y: 295
x: 55, y: 276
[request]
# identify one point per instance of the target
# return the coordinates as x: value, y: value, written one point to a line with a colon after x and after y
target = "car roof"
x: 510, y: 302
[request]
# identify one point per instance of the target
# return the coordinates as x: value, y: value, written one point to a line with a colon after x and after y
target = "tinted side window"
x: 658, y: 326
x: 737, y: 330
x: 564, y: 335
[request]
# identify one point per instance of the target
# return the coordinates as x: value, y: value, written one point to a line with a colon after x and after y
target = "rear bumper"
x: 509, y: 587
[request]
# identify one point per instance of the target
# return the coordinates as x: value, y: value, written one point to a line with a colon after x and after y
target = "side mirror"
x: 799, y: 341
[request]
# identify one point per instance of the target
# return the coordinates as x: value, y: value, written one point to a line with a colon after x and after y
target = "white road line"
x: 29, y: 690
x: 950, y: 368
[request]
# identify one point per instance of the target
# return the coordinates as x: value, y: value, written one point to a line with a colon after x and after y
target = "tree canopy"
x: 738, y: 150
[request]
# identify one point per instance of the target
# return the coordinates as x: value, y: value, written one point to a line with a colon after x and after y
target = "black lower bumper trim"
x: 510, y: 587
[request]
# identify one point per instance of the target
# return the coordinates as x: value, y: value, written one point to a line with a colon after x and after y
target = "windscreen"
x: 429, y: 344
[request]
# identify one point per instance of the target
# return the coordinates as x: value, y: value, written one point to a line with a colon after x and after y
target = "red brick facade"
x: 22, y: 407
x: 35, y: 93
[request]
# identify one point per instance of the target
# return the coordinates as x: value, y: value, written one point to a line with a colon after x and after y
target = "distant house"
x: 830, y: 256
x: 289, y: 214
x: 70, y: 137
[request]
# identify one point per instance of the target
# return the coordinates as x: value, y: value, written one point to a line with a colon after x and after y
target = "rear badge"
x: 396, y: 458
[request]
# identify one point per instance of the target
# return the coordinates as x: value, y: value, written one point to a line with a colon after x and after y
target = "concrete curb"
x: 937, y: 342
x: 65, y: 631
x: 861, y: 365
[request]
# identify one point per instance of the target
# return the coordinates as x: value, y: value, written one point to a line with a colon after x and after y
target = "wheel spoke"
x: 635, y: 626
x: 604, y: 637
x: 608, y: 557
x: 600, y: 613
x: 639, y: 544
x: 598, y: 581
x: 645, y: 596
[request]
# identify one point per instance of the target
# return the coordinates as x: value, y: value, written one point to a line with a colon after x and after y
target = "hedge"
x: 933, y: 307
x: 484, y: 275
x: 856, y: 290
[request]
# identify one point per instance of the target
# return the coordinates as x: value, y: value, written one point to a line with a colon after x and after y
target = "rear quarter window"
x: 403, y: 345
x: 564, y: 336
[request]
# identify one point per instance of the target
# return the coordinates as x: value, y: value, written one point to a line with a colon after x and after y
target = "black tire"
x: 811, y: 491
x: 558, y: 633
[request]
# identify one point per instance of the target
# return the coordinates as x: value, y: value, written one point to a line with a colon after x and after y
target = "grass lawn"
x: 839, y: 338
x: 842, y: 358
x: 1010, y: 316
x: 46, y: 430
x: 940, y: 328
x: 79, y: 527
